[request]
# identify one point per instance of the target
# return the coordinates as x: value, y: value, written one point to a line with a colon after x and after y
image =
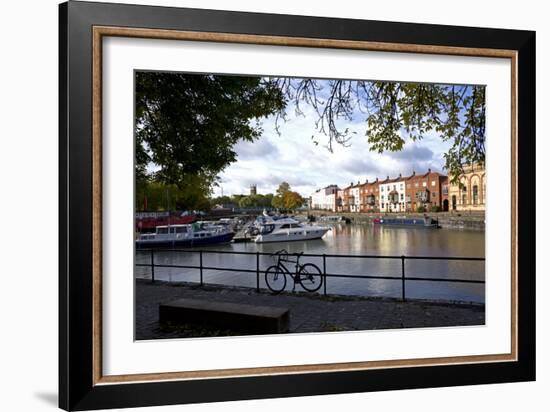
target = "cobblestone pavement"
x: 308, y: 312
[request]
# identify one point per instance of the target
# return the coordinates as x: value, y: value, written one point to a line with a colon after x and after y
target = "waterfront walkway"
x: 308, y: 313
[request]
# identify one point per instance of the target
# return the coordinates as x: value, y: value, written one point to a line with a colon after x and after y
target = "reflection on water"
x: 351, y: 240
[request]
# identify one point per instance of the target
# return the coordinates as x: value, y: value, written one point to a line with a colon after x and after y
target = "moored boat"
x: 332, y: 219
x: 426, y: 222
x: 285, y: 229
x: 185, y: 235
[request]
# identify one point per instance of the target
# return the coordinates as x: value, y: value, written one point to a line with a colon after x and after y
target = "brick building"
x: 369, y: 196
x: 425, y: 192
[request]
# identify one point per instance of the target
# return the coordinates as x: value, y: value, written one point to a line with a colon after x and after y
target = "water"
x: 355, y: 239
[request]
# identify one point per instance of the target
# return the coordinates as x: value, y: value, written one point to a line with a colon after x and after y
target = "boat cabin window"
x: 267, y: 229
x: 162, y: 230
x: 172, y: 230
x: 182, y: 229
x: 285, y: 226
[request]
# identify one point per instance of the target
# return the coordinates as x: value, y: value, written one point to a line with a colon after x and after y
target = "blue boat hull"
x: 409, y: 222
x: 201, y: 241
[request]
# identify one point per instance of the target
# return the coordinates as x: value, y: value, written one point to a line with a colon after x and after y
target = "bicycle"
x: 308, y: 275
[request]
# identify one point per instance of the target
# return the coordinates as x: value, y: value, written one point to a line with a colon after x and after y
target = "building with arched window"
x: 470, y: 193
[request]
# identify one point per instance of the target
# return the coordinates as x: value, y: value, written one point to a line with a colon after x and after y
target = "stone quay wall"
x: 448, y: 220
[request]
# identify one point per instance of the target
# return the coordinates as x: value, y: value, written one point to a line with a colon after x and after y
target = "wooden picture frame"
x: 82, y: 27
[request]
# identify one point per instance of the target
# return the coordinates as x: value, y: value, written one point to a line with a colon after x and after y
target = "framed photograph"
x: 258, y: 206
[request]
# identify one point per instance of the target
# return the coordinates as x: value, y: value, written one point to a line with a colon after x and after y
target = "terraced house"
x: 427, y: 192
x: 369, y: 196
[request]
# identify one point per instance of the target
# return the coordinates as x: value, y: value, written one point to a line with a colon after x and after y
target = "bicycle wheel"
x: 310, y: 277
x: 275, y: 279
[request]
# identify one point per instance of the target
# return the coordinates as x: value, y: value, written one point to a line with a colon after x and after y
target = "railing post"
x: 152, y: 265
x: 403, y: 278
x: 324, y: 274
x: 257, y: 271
x: 200, y: 265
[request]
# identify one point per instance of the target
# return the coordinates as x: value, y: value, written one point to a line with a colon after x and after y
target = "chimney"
x: 366, y: 180
x: 414, y: 173
x: 400, y: 175
x: 429, y: 170
x: 377, y: 178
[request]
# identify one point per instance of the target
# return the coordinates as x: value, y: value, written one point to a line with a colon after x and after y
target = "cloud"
x: 257, y: 149
x: 292, y: 156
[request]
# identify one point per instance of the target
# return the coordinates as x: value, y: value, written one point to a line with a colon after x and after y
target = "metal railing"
x: 258, y: 271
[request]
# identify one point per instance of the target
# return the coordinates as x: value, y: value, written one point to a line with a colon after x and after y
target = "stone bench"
x: 251, y: 319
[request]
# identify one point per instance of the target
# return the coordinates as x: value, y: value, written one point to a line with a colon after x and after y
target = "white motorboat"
x: 285, y: 229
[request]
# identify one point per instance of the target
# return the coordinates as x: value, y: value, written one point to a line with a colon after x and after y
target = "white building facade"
x: 355, y: 200
x: 393, y: 196
x: 325, y: 199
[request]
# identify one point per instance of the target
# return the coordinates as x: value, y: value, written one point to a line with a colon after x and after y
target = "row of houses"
x: 430, y: 191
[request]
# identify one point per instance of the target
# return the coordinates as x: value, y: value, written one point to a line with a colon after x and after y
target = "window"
x: 181, y: 229
x: 382, y: 189
x: 475, y: 194
x: 416, y: 184
x: 423, y: 184
x: 401, y: 186
x: 401, y: 196
x: 433, y: 182
x: 464, y: 199
x: 162, y: 230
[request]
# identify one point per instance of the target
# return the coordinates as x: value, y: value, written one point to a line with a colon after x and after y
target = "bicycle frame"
x: 283, y: 267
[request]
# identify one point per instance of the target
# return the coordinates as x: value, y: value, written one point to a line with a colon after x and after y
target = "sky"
x: 292, y: 156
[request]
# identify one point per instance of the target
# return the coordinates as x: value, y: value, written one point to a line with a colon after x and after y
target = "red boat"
x: 149, y: 221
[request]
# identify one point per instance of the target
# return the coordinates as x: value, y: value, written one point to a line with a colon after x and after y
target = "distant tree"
x: 245, y: 202
x: 292, y: 200
x: 285, y: 198
x: 283, y: 188
x: 158, y: 196
x: 220, y: 200
x: 267, y: 200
